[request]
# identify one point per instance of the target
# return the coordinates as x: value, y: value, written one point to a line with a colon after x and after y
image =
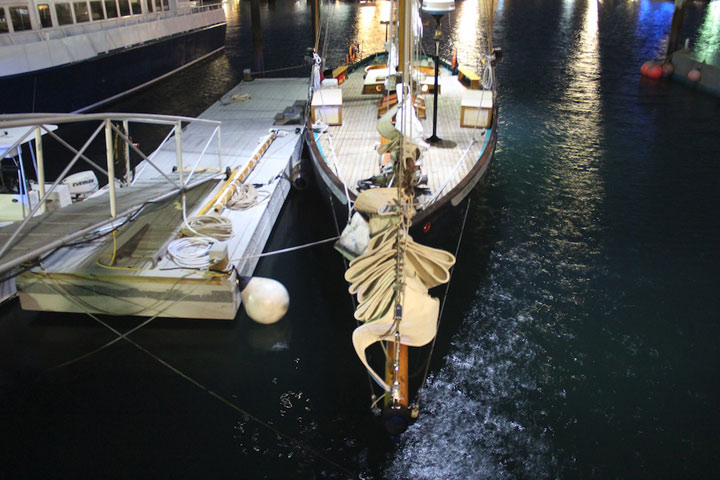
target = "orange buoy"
x: 694, y: 75
x: 654, y: 71
x: 668, y: 69
x: 645, y: 66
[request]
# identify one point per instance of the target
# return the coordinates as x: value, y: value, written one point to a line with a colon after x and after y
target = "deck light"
x: 437, y: 8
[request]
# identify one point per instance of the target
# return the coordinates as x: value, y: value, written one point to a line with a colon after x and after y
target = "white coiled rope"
x: 215, y: 226
x: 191, y: 252
x: 245, y: 196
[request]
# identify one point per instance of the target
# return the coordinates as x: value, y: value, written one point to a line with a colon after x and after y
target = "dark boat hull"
x: 88, y: 84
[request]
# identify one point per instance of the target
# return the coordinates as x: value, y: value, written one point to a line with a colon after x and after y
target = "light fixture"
x: 438, y: 7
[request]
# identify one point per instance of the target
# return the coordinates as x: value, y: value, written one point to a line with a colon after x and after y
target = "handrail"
x: 11, y: 120
x: 37, y: 122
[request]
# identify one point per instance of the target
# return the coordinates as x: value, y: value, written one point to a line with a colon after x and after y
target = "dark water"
x: 581, y: 329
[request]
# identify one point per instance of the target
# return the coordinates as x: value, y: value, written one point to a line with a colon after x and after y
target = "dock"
x: 708, y: 66
x: 128, y: 271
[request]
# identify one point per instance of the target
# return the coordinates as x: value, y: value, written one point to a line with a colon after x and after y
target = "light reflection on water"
x: 708, y: 42
x: 556, y: 366
x: 587, y: 332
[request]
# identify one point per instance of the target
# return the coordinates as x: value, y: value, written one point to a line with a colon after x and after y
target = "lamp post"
x: 437, y: 8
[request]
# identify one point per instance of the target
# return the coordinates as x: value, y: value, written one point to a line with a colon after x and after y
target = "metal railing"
x: 40, y: 124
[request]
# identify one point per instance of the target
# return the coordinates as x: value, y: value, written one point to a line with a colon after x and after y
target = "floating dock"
x: 708, y: 66
x: 129, y: 272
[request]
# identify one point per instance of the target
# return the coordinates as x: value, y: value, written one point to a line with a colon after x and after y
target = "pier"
x: 252, y: 135
x: 706, y: 68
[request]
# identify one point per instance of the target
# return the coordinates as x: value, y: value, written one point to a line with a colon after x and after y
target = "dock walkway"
x: 142, y: 279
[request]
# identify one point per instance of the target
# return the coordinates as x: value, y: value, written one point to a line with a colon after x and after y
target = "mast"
x: 315, y: 11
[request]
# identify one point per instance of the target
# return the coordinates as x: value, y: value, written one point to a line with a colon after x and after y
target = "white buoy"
x: 265, y: 300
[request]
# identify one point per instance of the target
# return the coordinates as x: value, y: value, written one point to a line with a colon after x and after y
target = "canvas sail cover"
x: 417, y: 328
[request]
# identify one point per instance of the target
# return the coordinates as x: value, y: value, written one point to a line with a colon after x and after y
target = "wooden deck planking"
x: 56, y: 224
x: 355, y: 142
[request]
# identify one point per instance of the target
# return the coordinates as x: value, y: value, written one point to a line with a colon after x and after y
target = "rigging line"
x: 84, y: 305
x: 442, y: 309
x: 339, y: 175
x: 143, y: 308
x: 352, y: 298
x: 294, y: 67
x: 285, y: 250
x: 235, y: 407
x: 173, y: 369
x: 449, y: 177
x: 327, y: 30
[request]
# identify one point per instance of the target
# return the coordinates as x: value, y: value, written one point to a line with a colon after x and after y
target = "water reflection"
x: 371, y: 33
x: 464, y: 36
x: 575, y: 171
x: 708, y: 42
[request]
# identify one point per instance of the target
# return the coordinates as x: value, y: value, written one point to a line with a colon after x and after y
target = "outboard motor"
x: 82, y: 184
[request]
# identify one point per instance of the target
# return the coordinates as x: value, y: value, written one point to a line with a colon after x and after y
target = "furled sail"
x: 373, y: 277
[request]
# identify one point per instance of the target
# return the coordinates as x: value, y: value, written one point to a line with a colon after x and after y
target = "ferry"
x: 70, y: 57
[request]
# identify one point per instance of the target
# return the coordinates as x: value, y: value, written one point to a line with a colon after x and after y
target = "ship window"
x: 136, y: 9
x: 124, y: 8
x: 149, y: 6
x: 96, y: 11
x: 3, y: 21
x: 111, y: 8
x: 20, y: 18
x: 64, y: 14
x: 44, y: 14
x: 81, y: 12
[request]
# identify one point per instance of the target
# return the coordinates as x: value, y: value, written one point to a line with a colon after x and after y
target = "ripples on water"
x: 565, y: 364
x: 586, y: 293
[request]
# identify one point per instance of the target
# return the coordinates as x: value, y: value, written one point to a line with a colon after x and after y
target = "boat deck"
x: 143, y: 280
x: 356, y: 141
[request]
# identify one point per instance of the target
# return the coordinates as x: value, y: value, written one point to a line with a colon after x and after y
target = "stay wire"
x: 442, y: 309
x: 354, y: 304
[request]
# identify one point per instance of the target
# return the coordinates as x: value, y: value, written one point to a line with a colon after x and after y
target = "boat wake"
x: 479, y: 418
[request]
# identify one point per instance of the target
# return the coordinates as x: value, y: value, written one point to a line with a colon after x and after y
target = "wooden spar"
x: 217, y: 202
x: 401, y: 28
x: 403, y: 376
x: 258, y: 61
x: 315, y: 12
x: 676, y: 27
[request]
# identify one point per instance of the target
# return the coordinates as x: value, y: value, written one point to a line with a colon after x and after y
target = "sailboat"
x: 393, y: 184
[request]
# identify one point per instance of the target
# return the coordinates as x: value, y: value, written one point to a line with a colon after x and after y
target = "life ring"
x: 352, y: 53
x: 454, y: 64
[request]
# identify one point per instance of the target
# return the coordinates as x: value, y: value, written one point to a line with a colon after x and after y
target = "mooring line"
x: 124, y: 336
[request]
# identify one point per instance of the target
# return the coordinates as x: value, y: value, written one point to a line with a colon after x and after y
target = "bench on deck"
x: 374, y: 82
x: 469, y: 78
x: 340, y: 74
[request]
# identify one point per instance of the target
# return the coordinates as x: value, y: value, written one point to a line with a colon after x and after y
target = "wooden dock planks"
x: 143, y: 280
